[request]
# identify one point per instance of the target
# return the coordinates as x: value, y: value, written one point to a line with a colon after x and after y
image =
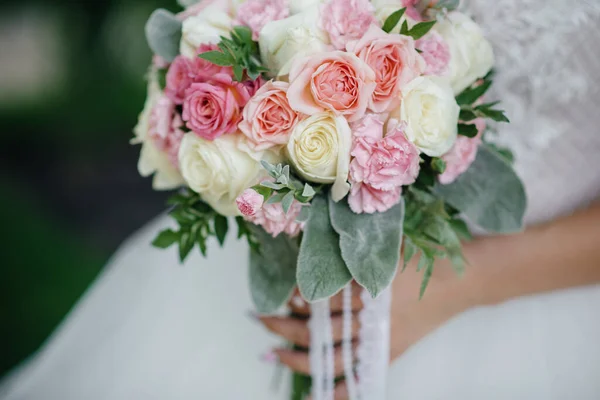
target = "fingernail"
x: 270, y: 357
x: 298, y: 301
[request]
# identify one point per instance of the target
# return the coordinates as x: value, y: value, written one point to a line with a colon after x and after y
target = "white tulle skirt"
x: 152, y: 329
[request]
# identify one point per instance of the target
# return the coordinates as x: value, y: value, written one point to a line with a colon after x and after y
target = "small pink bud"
x: 249, y: 202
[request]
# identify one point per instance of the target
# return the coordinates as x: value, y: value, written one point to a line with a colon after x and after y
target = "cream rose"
x: 283, y: 41
x: 431, y: 114
x: 152, y: 161
x: 204, y: 28
x: 297, y: 6
x: 319, y: 149
x: 471, y: 55
x: 219, y: 170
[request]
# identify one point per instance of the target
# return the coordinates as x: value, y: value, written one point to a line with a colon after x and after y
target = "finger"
x: 301, y: 307
x: 340, y: 392
x: 298, y: 361
x: 297, y: 331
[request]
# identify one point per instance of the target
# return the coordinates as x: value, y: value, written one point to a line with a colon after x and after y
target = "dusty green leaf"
x: 370, y: 243
x: 489, y: 194
x: 321, y: 270
x: 163, y: 33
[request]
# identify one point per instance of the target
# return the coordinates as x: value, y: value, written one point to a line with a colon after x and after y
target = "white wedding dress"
x: 152, y: 329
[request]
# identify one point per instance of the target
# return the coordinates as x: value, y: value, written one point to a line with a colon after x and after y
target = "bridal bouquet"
x: 340, y: 134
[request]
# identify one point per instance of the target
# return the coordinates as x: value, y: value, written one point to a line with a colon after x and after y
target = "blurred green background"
x: 71, y: 87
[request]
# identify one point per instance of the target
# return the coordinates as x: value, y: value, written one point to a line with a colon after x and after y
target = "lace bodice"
x: 548, y: 74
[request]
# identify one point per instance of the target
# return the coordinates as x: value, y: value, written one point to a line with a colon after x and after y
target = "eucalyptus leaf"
x: 321, y: 270
x: 163, y: 33
x: 272, y: 271
x: 370, y: 243
x: 308, y: 191
x: 287, y: 201
x: 489, y: 193
x: 187, y: 3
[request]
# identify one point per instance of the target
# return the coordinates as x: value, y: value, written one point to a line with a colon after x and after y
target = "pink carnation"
x: 268, y: 118
x: 395, y: 62
x: 346, y: 20
x: 249, y: 202
x: 435, y: 52
x: 365, y: 199
x: 255, y: 14
x: 383, y: 163
x: 411, y: 9
x: 461, y: 156
x: 213, y: 108
x: 273, y: 220
x: 333, y: 81
x: 165, y: 129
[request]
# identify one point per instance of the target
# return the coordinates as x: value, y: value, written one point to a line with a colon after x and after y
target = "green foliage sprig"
x: 197, y: 223
x: 469, y: 111
x: 285, y: 188
x: 240, y: 52
x: 433, y: 230
x: 416, y: 32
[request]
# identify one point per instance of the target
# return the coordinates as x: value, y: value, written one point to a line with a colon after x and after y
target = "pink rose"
x: 255, y: 14
x: 268, y: 118
x: 346, y: 20
x: 336, y: 81
x: 164, y: 129
x: 395, y: 62
x: 273, y: 220
x: 249, y: 202
x: 252, y: 86
x: 436, y: 53
x: 213, y: 108
x: 365, y: 199
x: 461, y: 156
x: 382, y: 163
x: 179, y: 78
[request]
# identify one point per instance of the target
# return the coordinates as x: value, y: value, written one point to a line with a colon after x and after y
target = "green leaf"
x: 272, y: 185
x: 321, y: 269
x: 308, y: 191
x: 462, y: 230
x: 238, y: 72
x: 426, y: 262
x: 272, y: 272
x: 421, y: 29
x: 449, y: 5
x: 489, y: 193
x: 506, y: 154
x: 410, y: 250
x: 186, y: 244
x: 304, y: 214
x: 243, y: 34
x: 163, y: 34
x: 468, y: 130
x: 467, y: 115
x: 370, y: 243
x: 221, y: 228
x: 391, y: 21
x: 404, y: 29
x: 287, y: 202
x: 217, y: 58
x: 471, y: 95
x: 438, y: 165
x: 276, y: 198
x: 165, y: 239
x: 496, y: 115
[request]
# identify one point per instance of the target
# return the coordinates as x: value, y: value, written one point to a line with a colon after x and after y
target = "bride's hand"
x: 411, y: 318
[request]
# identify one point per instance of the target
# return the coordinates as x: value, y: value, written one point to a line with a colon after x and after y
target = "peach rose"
x: 395, y: 61
x: 334, y: 81
x: 268, y: 118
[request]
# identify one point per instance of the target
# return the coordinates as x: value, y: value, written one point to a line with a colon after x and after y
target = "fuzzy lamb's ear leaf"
x: 163, y: 33
x: 370, y: 243
x: 187, y: 3
x: 321, y: 269
x: 273, y: 271
x: 489, y: 193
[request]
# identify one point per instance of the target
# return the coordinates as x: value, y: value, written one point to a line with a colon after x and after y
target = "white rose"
x: 431, y: 114
x: 297, y: 36
x: 218, y: 170
x: 471, y: 55
x: 153, y: 161
x: 204, y: 28
x: 319, y: 149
